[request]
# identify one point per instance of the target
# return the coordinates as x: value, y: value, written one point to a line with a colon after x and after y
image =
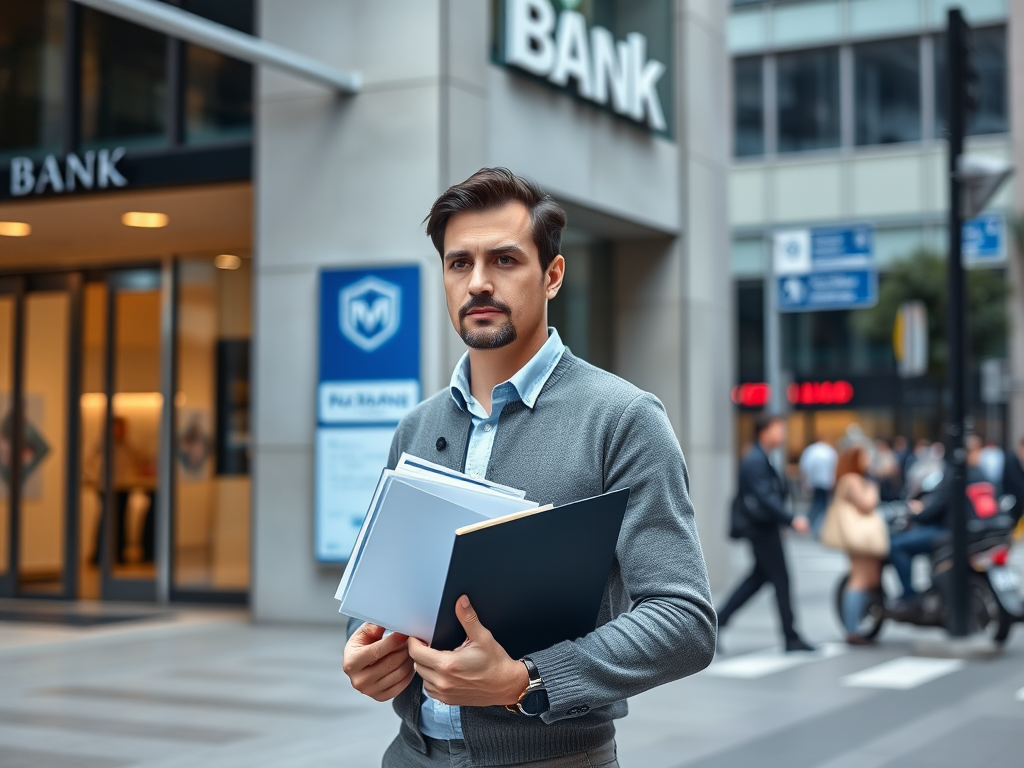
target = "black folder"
x: 534, y: 579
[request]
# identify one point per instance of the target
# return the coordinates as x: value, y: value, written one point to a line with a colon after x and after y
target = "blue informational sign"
x: 843, y: 289
x: 369, y: 379
x: 825, y: 268
x: 984, y: 240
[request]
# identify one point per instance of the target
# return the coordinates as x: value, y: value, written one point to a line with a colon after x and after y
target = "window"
x: 749, y: 106
x: 582, y: 311
x: 887, y: 78
x: 808, y: 100
x: 750, y: 363
x: 124, y: 82
x: 31, y: 46
x: 990, y: 115
x: 218, y: 89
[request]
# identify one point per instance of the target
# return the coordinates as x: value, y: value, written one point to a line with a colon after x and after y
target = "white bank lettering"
x: 93, y: 170
x: 559, y: 48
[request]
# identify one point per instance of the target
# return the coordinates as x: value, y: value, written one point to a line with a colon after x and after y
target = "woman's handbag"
x: 854, y: 532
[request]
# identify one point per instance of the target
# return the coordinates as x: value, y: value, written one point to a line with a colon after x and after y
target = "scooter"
x: 995, y: 598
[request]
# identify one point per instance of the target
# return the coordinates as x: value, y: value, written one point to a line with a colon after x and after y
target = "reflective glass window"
x: 31, y: 62
x: 748, y: 109
x: 210, y: 528
x: 991, y: 114
x: 582, y: 311
x: 218, y: 89
x: 124, y: 82
x: 887, y: 78
x: 808, y: 99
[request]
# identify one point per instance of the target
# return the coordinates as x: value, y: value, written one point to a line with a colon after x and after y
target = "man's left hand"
x: 476, y: 674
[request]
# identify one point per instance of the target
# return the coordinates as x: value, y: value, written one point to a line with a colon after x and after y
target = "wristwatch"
x: 534, y: 700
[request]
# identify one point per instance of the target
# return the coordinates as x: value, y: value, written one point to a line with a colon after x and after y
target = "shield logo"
x: 370, y: 312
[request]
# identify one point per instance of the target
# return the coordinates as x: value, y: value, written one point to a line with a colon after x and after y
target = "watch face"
x: 535, y: 702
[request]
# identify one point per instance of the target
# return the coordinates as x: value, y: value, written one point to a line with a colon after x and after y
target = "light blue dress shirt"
x: 437, y: 720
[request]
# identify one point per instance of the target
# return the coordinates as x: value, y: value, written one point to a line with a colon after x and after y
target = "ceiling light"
x: 227, y: 261
x: 15, y: 229
x: 144, y: 219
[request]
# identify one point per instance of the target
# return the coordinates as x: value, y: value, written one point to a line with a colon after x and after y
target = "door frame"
x: 20, y: 287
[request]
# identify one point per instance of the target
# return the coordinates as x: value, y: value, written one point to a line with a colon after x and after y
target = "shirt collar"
x: 527, y: 382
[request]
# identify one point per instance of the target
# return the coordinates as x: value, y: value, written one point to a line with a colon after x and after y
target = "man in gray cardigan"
x: 523, y: 411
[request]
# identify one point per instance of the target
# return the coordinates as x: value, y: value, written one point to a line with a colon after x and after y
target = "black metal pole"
x: 956, y: 120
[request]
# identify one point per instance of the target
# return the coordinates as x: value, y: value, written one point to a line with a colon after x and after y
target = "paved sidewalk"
x: 206, y: 688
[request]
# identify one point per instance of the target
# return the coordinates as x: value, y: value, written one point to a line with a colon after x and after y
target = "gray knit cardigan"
x: 589, y: 432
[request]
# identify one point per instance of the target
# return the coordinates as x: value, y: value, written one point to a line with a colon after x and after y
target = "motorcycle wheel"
x: 874, y: 617
x: 985, y: 613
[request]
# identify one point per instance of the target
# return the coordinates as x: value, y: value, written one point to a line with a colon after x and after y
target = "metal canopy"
x: 175, y: 22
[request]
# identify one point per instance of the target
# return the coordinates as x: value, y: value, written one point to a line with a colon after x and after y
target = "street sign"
x: 984, y: 240
x: 910, y: 339
x: 825, y: 268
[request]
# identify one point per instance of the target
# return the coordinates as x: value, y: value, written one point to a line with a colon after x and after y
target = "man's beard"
x: 487, y: 338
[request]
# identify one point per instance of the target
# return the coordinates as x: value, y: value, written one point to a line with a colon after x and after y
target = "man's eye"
x: 459, y: 264
x: 506, y: 260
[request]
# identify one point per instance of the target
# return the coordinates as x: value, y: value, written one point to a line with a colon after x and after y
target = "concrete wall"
x: 348, y: 181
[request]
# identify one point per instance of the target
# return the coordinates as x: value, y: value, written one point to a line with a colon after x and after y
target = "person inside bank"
x: 523, y: 411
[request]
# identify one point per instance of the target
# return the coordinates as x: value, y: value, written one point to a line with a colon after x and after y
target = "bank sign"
x: 552, y: 40
x: 69, y: 173
x: 369, y: 379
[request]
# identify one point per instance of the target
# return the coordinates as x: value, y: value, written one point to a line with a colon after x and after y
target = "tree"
x: 922, y: 277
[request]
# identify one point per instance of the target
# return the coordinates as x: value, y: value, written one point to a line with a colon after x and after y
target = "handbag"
x: 848, y: 529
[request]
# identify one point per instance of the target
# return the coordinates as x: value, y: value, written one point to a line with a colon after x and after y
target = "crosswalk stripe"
x: 903, y: 673
x: 763, y: 663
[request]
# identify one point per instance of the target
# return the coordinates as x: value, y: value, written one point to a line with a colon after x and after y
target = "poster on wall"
x: 369, y: 379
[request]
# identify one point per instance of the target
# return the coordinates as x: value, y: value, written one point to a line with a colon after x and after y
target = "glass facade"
x: 31, y: 76
x: 218, y: 89
x: 887, y: 77
x: 123, y: 83
x: 885, y: 104
x: 990, y: 113
x: 807, y: 87
x: 748, y: 114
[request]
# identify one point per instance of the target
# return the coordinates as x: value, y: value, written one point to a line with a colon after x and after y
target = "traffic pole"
x: 956, y: 116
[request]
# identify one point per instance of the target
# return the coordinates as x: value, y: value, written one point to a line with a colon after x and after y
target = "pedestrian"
x: 758, y: 512
x: 853, y: 512
x: 885, y: 470
x: 818, y: 469
x: 523, y: 411
x: 1013, y: 479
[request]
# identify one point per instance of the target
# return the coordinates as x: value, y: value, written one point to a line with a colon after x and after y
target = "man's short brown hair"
x: 492, y: 188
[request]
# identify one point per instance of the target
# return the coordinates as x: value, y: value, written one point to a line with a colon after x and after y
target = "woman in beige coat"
x: 855, y: 489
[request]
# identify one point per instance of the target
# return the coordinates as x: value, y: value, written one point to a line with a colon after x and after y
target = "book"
x: 535, y: 574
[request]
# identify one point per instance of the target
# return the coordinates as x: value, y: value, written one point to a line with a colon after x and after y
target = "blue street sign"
x: 984, y: 240
x: 825, y: 268
x: 369, y: 380
x: 842, y: 247
x: 841, y: 289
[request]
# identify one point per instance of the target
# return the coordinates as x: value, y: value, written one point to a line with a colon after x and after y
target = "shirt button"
x: 488, y: 427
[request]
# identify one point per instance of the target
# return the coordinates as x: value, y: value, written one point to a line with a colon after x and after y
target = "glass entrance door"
x: 37, y: 386
x: 131, y: 425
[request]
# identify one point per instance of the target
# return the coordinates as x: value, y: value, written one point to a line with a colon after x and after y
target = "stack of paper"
x: 535, y: 575
x: 396, y: 573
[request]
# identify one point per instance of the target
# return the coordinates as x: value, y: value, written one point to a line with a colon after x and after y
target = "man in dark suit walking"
x: 758, y: 511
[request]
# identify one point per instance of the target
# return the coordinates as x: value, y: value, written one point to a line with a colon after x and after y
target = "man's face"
x: 495, y: 289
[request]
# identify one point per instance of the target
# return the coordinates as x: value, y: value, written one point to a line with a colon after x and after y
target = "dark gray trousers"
x: 453, y: 754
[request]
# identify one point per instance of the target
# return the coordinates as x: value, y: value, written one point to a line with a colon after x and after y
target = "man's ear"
x: 554, y: 276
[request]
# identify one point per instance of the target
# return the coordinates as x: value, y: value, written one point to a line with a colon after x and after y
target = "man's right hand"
x: 378, y: 666
x: 801, y: 525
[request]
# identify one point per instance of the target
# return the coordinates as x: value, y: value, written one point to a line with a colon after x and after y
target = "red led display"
x: 757, y: 395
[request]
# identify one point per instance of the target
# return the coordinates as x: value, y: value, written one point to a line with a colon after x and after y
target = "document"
x: 535, y: 574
